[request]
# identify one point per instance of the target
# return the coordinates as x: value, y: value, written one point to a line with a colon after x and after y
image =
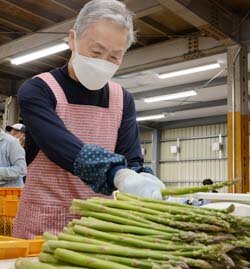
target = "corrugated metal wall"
x: 196, y: 158
x: 146, y: 142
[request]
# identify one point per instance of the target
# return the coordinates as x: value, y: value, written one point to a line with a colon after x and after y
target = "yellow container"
x: 11, y: 248
x: 9, y: 201
x: 35, y: 246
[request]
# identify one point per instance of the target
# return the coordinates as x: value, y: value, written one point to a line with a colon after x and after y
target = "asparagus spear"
x: 113, y: 227
x: 79, y: 238
x: 26, y: 264
x: 206, y: 188
x: 130, y: 197
x: 84, y: 260
x: 125, y: 221
x: 128, y: 240
x: 137, y: 263
x: 181, y: 225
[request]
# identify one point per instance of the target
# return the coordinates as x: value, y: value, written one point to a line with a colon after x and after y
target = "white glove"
x: 128, y: 181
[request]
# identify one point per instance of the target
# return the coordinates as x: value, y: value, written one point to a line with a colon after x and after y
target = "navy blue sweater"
x: 47, y: 132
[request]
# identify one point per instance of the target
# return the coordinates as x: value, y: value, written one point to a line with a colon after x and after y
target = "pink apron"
x: 49, y: 189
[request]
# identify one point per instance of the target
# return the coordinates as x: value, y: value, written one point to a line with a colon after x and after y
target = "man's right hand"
x: 128, y: 181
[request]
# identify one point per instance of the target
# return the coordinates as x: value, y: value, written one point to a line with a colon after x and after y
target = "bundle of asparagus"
x: 133, y: 232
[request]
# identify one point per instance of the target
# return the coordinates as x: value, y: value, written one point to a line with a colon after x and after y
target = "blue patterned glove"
x: 93, y: 163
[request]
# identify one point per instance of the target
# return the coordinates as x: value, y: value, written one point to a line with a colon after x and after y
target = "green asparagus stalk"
x: 26, y: 264
x: 112, y: 227
x: 49, y: 236
x: 113, y: 204
x: 206, y: 188
x: 137, y: 263
x: 172, y: 208
x: 48, y: 258
x: 47, y: 249
x: 130, y: 197
x: 130, y: 241
x: 68, y: 230
x: 181, y: 225
x: 79, y: 238
x: 84, y: 260
x: 81, y: 207
x: 126, y: 221
x: 197, y: 263
x: 113, y: 250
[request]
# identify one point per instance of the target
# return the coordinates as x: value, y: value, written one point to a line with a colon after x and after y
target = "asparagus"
x: 142, y: 233
x: 46, y: 248
x: 128, y: 240
x: 206, y: 188
x: 48, y: 258
x: 113, y: 204
x: 129, y: 197
x: 197, y: 263
x: 137, y: 263
x: 108, y: 226
x: 186, y: 208
x: 80, y: 207
x: 49, y: 236
x: 120, y: 250
x: 26, y: 264
x: 181, y: 225
x: 125, y: 221
x: 79, y: 238
x: 51, y: 260
x: 84, y: 260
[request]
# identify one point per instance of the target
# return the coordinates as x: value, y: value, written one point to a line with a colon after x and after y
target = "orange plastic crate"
x: 11, y: 248
x: 9, y: 201
x: 35, y: 246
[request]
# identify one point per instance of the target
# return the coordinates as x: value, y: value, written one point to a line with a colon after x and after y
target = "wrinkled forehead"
x: 105, y: 34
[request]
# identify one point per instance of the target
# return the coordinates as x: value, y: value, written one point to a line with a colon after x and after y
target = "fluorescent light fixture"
x: 189, y: 71
x: 170, y: 96
x: 151, y: 117
x: 39, y: 54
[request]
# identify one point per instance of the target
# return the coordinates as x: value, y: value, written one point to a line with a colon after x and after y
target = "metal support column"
x: 237, y: 118
x: 11, y: 112
x: 156, y: 151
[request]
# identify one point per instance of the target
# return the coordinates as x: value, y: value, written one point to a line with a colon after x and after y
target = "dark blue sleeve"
x: 37, y: 104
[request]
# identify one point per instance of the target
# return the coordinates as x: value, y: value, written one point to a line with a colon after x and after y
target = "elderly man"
x: 82, y: 138
x: 12, y: 161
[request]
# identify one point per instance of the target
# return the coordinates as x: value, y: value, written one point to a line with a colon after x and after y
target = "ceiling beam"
x: 192, y: 106
x: 64, y: 6
x: 168, y: 52
x: 205, y: 16
x: 142, y: 8
x: 148, y: 11
x: 38, y: 40
x: 27, y: 12
x: 157, y: 27
x: 15, y: 26
x: 32, y: 41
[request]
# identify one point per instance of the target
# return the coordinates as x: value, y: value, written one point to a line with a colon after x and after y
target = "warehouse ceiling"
x: 172, y: 35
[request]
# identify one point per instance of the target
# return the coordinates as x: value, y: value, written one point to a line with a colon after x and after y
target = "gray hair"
x: 105, y: 9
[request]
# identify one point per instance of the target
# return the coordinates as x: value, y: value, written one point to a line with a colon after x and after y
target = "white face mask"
x: 93, y: 73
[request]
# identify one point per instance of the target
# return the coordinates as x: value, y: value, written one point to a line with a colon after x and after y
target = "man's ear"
x: 71, y: 40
